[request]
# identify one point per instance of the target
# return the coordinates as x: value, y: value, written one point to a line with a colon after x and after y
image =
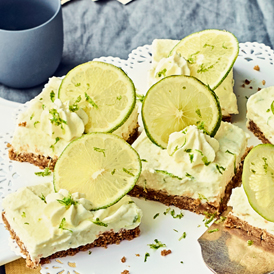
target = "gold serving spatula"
x: 230, y: 251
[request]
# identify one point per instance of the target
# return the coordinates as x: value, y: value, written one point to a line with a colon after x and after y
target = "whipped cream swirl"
x: 172, y: 65
x: 73, y: 207
x: 74, y: 210
x: 192, y: 146
x: 58, y: 121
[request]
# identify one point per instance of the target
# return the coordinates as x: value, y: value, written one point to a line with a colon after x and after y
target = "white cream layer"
x: 192, y: 146
x: 128, y: 127
x: 259, y: 111
x: 171, y: 65
x: 243, y: 210
x: 40, y: 227
x: 39, y: 135
x: 228, y: 101
x: 32, y: 138
x: 208, y: 181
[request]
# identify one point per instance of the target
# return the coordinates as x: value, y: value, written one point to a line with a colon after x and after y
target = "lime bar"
x: 85, y: 206
x: 165, y: 63
x: 196, y: 172
x: 176, y: 102
x: 253, y: 203
x: 104, y: 101
x: 48, y: 225
x: 101, y: 165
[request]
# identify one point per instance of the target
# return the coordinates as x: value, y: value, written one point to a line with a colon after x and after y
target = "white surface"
x: 14, y: 175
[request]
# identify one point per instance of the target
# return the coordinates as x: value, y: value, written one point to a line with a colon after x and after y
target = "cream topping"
x: 73, y: 207
x: 58, y: 121
x: 47, y: 223
x: 192, y: 146
x: 50, y: 125
x: 171, y: 65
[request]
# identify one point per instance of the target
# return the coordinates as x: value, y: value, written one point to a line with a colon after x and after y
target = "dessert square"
x: 48, y: 225
x: 197, y: 175
x: 41, y: 134
x: 244, y: 218
x: 164, y: 65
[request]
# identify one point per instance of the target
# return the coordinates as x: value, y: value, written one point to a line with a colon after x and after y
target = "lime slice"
x: 176, y: 102
x: 258, y: 180
x: 106, y: 93
x: 210, y: 53
x: 101, y: 165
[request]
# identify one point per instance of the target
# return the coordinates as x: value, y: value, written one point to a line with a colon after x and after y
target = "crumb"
x: 263, y: 82
x: 165, y: 252
x: 137, y: 255
x: 23, y: 124
x: 123, y: 260
x: 8, y: 145
x: 243, y: 85
x: 257, y: 68
x: 125, y: 272
x: 251, y: 87
x: 259, y: 89
x: 247, y: 82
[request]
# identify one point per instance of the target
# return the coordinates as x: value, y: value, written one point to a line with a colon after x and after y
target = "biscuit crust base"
x: 257, y: 132
x: 265, y: 239
x: 227, y: 118
x: 106, y: 238
x: 45, y: 161
x: 38, y: 160
x: 187, y: 203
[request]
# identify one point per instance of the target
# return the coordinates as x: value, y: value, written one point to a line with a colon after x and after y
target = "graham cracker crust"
x: 133, y: 135
x: 45, y: 161
x: 106, y: 238
x: 257, y: 132
x: 265, y: 239
x: 187, y: 203
x: 227, y: 118
x: 38, y: 160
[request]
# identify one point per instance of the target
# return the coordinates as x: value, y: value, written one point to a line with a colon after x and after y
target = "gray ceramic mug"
x: 31, y: 41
